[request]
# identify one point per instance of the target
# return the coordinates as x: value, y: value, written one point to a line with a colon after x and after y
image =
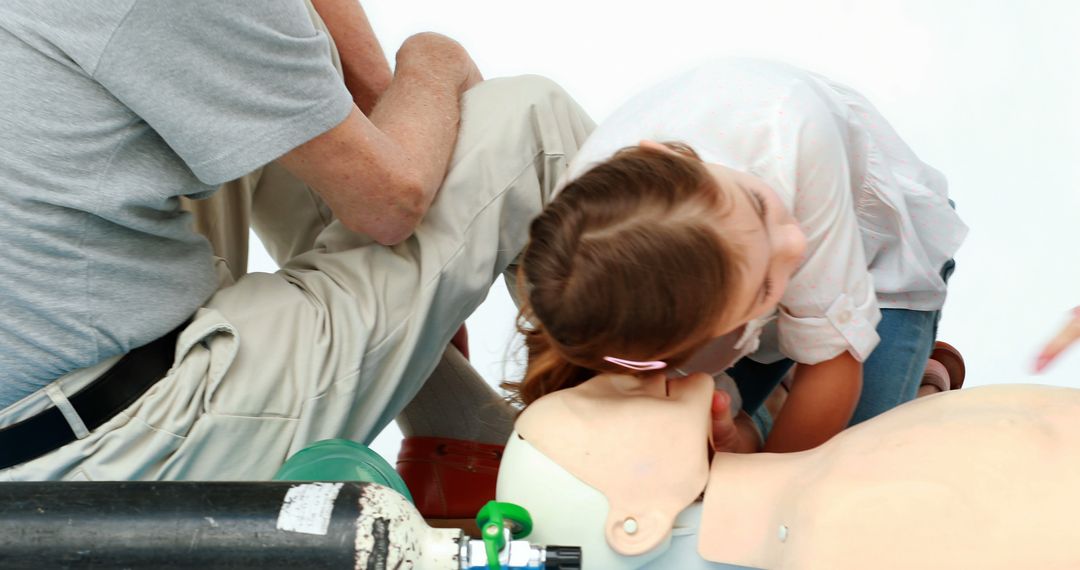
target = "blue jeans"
x: 891, y: 375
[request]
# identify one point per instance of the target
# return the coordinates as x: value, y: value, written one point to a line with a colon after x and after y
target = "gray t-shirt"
x: 110, y: 110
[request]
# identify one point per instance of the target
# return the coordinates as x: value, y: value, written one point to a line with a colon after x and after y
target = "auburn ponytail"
x: 547, y: 370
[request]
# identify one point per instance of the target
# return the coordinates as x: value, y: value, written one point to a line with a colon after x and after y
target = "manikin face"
x: 768, y: 234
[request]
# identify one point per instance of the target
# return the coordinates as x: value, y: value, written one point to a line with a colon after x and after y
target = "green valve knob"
x: 495, y: 517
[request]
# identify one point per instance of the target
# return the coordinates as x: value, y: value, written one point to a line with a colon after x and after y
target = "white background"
x: 987, y: 92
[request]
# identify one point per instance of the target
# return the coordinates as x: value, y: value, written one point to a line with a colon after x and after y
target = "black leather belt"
x: 96, y: 403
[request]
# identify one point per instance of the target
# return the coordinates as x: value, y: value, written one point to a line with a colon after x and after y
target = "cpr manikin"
x: 980, y: 478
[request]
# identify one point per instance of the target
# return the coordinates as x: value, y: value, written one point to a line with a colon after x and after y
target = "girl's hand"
x: 1066, y: 336
x: 732, y: 434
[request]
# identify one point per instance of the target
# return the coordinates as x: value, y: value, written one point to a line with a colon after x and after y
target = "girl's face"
x: 771, y: 237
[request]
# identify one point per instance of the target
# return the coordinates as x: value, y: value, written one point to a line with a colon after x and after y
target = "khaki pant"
x: 341, y: 338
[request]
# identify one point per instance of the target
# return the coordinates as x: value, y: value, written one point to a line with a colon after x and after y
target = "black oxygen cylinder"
x: 209, y: 525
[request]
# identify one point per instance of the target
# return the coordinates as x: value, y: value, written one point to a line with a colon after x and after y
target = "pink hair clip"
x: 636, y: 365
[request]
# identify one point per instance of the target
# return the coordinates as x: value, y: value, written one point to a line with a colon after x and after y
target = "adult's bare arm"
x: 367, y: 72
x: 380, y: 175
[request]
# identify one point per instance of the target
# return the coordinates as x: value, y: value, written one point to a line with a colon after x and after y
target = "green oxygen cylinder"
x: 341, y: 460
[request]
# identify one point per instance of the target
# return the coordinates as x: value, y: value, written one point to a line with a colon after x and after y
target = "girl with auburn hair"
x: 791, y: 210
x: 628, y: 260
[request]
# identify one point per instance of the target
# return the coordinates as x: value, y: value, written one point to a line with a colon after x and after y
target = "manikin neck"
x: 747, y: 501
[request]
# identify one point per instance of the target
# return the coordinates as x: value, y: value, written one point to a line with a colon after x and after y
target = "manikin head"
x: 646, y: 257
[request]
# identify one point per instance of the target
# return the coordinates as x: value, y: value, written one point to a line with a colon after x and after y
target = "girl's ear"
x: 653, y: 145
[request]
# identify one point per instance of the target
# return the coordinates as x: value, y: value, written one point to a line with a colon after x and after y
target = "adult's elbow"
x: 397, y: 217
x: 396, y: 231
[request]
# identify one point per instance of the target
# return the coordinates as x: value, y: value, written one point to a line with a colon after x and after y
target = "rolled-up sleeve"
x: 849, y: 324
x: 830, y: 305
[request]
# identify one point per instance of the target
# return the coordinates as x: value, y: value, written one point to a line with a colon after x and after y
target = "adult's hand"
x: 474, y: 76
x: 440, y: 56
x: 1065, y: 337
x: 380, y: 173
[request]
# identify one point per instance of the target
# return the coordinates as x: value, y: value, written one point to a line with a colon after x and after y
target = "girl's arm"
x: 829, y: 313
x: 820, y: 404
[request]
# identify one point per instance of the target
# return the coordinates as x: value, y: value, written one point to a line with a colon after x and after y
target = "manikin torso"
x: 980, y: 478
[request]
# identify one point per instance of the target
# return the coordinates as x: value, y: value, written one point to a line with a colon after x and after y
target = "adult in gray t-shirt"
x: 113, y: 109
x: 122, y: 107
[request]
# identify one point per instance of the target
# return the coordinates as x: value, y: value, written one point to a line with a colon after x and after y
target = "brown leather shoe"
x: 449, y: 478
x: 948, y: 356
